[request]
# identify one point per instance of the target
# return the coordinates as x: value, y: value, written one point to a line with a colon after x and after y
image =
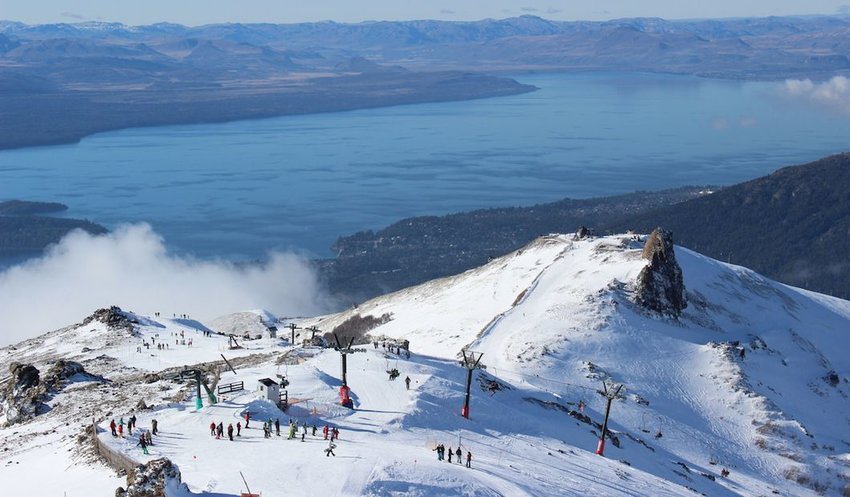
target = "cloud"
x: 73, y: 16
x: 529, y: 9
x: 447, y: 11
x: 843, y: 9
x: 132, y: 268
x: 553, y: 10
x: 833, y: 94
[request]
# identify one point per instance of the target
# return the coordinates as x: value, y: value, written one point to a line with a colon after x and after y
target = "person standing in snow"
x: 407, y: 382
x: 144, y: 445
x: 112, y: 426
x: 468, y: 459
x: 458, y: 453
x: 238, y: 429
x: 314, y: 430
x: 148, y: 438
x: 450, y: 453
x: 277, y: 426
x: 247, y: 419
x: 330, y: 450
x: 325, y: 431
x: 230, y: 431
x: 154, y: 426
x: 219, y: 430
x: 292, y: 429
x: 335, y: 434
x: 265, y: 431
x: 212, y: 428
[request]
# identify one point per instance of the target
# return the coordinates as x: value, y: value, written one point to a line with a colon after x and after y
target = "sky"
x: 197, y: 12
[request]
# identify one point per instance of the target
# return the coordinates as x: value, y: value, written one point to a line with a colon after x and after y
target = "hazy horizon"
x: 268, y: 11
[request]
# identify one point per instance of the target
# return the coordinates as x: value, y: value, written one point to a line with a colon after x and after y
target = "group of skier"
x: 217, y: 430
x: 117, y: 429
x: 145, y: 436
x: 458, y: 454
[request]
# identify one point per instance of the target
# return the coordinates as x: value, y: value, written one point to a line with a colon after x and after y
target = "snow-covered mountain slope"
x: 753, y: 375
x: 751, y: 378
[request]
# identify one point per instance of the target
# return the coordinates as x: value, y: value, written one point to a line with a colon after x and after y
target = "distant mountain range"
x: 793, y: 226
x: 772, y: 47
x: 106, y: 76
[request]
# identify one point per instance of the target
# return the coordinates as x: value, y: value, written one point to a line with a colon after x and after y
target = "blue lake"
x: 240, y: 189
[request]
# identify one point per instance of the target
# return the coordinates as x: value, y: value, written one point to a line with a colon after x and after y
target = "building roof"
x: 267, y: 382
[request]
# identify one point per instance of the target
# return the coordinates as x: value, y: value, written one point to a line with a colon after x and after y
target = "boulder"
x: 151, y: 479
x: 660, y: 286
x: 24, y: 395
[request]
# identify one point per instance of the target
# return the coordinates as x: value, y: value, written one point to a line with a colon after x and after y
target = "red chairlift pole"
x: 344, y: 399
x: 470, y: 362
x: 611, y: 395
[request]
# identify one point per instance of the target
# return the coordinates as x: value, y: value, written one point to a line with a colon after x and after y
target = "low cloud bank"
x: 833, y: 94
x: 131, y: 268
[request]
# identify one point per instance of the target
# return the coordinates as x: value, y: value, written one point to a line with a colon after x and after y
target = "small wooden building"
x: 270, y: 390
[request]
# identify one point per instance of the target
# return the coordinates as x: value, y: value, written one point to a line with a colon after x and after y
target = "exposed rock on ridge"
x: 660, y: 286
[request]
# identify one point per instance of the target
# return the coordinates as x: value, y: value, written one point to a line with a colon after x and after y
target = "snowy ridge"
x: 752, y: 378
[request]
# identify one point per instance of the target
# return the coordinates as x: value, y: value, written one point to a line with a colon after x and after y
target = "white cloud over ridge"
x: 833, y: 94
x: 131, y: 268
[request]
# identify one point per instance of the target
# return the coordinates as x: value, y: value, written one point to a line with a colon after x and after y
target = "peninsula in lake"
x: 61, y: 82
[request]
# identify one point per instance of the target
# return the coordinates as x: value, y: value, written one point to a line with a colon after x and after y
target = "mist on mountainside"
x: 132, y: 268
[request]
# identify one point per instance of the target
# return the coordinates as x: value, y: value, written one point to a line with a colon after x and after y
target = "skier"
x: 112, y: 426
x: 266, y: 433
x: 148, y: 438
x: 292, y: 428
x: 458, y: 453
x: 154, y: 426
x: 219, y: 431
x: 450, y: 454
x: 212, y: 428
x: 230, y: 431
x: 468, y: 459
x: 335, y: 434
x: 330, y: 450
x: 304, y: 428
x: 238, y: 429
x: 581, y: 406
x: 277, y: 426
x: 247, y: 419
x: 325, y: 431
x: 144, y: 444
x: 314, y: 430
x: 407, y: 382
x: 130, y: 427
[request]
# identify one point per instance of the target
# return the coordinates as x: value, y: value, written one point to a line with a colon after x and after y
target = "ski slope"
x: 752, y: 378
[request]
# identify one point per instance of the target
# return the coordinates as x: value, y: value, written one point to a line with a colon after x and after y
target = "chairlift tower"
x: 292, y: 327
x: 344, y: 399
x: 610, y: 394
x: 470, y: 362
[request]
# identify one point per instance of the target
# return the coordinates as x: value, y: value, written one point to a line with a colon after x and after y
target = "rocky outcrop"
x: 152, y: 479
x: 113, y: 317
x: 660, y: 286
x: 24, y: 395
